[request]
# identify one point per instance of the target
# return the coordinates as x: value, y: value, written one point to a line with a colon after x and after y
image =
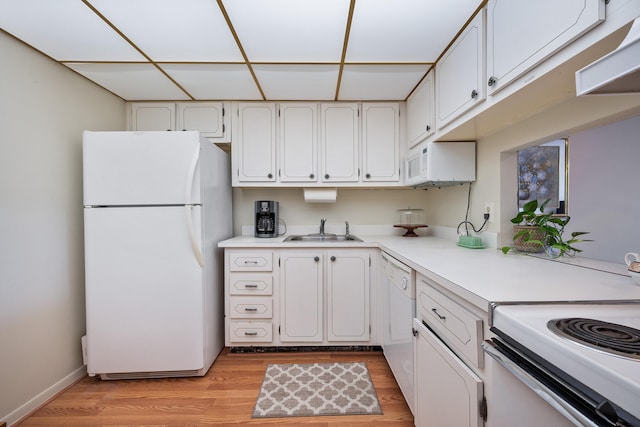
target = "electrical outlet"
x: 488, y: 209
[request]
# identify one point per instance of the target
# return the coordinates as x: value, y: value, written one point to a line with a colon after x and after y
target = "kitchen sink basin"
x: 326, y: 237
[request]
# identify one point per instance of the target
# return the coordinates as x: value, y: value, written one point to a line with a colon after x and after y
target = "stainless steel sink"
x: 325, y: 237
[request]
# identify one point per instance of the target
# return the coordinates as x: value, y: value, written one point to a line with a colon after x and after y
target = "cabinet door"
x: 420, y: 111
x: 460, y: 74
x: 339, y: 142
x: 301, y: 296
x: 348, y: 296
x: 448, y: 392
x: 521, y: 34
x: 255, y: 146
x: 208, y: 118
x: 381, y: 142
x: 151, y: 116
x: 298, y: 143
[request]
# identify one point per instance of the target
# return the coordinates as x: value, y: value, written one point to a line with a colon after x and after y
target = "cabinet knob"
x: 333, y: 258
x: 474, y: 94
x: 326, y: 176
x: 428, y: 128
x: 368, y: 176
x: 311, y: 176
x: 316, y: 259
x: 492, y: 81
x: 270, y: 176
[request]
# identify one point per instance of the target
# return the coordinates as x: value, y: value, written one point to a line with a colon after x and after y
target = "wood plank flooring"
x: 224, y: 397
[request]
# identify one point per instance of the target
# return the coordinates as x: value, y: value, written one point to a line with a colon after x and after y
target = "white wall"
x: 43, y: 109
x: 604, y: 197
x: 599, y: 121
x: 358, y: 206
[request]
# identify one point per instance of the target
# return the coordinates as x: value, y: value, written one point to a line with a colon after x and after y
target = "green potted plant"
x: 537, y: 231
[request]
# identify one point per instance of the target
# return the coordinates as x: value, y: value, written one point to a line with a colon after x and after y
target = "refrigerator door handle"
x: 192, y: 173
x: 194, y: 241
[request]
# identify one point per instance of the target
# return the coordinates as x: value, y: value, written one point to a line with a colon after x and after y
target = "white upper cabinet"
x: 255, y: 146
x: 209, y: 118
x: 521, y: 34
x: 151, y: 116
x: 298, y: 142
x: 420, y: 111
x: 460, y: 74
x: 380, y: 142
x: 339, y: 142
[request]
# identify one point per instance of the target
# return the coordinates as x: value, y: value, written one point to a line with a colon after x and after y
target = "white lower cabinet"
x: 301, y: 292
x: 448, y: 393
x: 447, y: 357
x: 297, y: 297
x: 347, y: 296
x: 249, y: 301
x: 307, y: 279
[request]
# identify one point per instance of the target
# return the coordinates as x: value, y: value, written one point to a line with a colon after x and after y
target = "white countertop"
x: 483, y: 276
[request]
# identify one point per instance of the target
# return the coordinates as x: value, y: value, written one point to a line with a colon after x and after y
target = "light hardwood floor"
x: 225, y: 396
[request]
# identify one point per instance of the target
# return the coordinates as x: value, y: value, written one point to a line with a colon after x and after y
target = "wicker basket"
x: 535, y: 233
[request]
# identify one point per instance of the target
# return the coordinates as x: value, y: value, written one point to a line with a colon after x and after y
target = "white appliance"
x: 398, y: 312
x: 155, y: 206
x: 583, y: 359
x: 437, y: 164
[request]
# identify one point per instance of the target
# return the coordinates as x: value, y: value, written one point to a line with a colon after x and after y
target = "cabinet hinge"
x: 278, y: 266
x: 279, y: 330
x: 222, y: 111
x: 369, y: 329
x: 369, y: 261
x: 483, y: 408
x: 223, y: 127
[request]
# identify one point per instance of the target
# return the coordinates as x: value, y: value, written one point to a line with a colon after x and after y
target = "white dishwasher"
x: 398, y: 310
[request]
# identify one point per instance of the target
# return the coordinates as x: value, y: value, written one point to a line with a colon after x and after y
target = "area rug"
x: 302, y: 390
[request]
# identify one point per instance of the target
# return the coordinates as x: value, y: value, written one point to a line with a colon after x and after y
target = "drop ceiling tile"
x: 290, y: 30
x: 298, y: 82
x: 215, y: 81
x: 379, y: 82
x: 174, y: 31
x: 405, y: 30
x: 66, y: 30
x: 132, y: 82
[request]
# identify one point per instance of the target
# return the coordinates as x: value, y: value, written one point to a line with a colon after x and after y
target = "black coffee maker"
x: 266, y: 212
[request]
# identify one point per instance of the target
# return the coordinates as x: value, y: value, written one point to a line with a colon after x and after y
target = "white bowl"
x: 635, y: 276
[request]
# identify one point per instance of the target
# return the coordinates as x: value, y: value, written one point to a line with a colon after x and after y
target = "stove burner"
x: 608, y: 337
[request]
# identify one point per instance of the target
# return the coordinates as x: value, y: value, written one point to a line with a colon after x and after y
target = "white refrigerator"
x: 155, y: 206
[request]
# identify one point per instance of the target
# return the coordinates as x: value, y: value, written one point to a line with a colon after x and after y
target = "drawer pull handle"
x: 441, y: 317
x: 250, y: 309
x: 251, y: 334
x: 250, y: 286
x: 251, y: 262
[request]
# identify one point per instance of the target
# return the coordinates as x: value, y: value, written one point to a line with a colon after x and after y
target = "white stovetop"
x: 483, y: 276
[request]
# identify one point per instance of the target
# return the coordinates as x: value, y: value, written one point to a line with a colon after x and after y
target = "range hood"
x: 615, y: 73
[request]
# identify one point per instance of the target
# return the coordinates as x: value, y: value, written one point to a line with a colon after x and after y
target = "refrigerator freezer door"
x: 141, y: 168
x: 144, y: 290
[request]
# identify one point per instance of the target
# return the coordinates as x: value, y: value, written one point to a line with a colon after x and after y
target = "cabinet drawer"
x: 251, y: 332
x: 243, y: 307
x: 251, y: 261
x: 250, y: 284
x: 454, y: 324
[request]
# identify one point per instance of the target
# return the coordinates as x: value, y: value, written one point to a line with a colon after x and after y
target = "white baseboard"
x: 43, y: 397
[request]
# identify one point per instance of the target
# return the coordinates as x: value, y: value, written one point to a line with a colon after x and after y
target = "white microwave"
x: 441, y: 163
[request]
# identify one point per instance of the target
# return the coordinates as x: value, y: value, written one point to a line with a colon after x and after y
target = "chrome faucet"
x: 346, y: 228
x: 322, y: 221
